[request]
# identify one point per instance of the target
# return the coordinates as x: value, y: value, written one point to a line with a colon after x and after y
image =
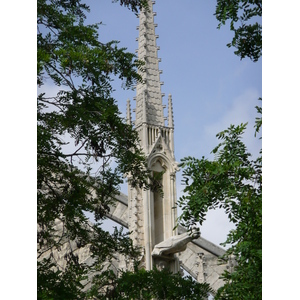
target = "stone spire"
x: 150, y: 90
x: 152, y: 214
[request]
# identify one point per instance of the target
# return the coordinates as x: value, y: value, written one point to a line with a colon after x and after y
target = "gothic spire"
x: 149, y: 96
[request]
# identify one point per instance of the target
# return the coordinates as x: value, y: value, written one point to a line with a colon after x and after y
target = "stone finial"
x: 170, y: 112
x: 128, y: 113
x: 144, y: 108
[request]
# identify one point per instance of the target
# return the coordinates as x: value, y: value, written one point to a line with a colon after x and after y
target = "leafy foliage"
x: 157, y: 284
x: 244, y: 16
x: 134, y: 5
x: 234, y: 182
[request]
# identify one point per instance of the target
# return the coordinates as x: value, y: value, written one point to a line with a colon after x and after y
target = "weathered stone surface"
x: 175, y: 244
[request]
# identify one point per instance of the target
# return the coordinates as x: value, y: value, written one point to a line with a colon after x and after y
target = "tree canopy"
x: 245, y: 22
x: 157, y: 284
x: 233, y: 182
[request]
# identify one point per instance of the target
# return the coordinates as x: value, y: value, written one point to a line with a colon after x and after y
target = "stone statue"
x: 175, y: 243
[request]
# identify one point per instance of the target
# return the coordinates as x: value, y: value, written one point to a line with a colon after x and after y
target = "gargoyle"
x: 175, y: 243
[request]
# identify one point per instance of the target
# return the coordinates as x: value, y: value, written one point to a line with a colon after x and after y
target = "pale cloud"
x: 241, y: 68
x: 216, y: 227
x: 50, y: 90
x: 241, y: 110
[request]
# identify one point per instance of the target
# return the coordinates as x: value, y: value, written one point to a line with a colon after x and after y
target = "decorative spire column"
x: 152, y: 215
x: 128, y: 112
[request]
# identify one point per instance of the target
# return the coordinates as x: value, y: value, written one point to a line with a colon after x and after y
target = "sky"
x: 183, y: 26
x: 206, y: 85
x: 210, y: 86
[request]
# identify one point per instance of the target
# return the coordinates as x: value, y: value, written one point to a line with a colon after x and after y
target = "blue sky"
x: 204, y: 89
x: 210, y: 86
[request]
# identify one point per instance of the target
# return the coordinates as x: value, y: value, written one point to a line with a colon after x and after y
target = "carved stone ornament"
x: 175, y: 243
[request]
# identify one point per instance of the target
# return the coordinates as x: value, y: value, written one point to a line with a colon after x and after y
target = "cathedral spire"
x: 154, y: 212
x: 150, y: 90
